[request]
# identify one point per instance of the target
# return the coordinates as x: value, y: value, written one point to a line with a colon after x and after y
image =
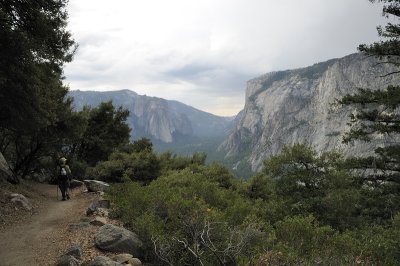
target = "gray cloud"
x: 203, y: 52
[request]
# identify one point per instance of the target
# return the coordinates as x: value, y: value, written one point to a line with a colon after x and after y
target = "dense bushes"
x: 138, y: 162
x: 187, y: 218
x: 303, y: 209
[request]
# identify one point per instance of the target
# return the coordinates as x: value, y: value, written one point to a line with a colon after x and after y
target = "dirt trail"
x: 44, y: 236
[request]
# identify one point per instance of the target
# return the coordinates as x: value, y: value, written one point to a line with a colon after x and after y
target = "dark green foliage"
x: 376, y: 111
x: 389, y: 48
x: 128, y: 163
x: 142, y: 144
x: 261, y: 186
x: 137, y: 161
x: 218, y: 173
x: 302, y: 236
x: 315, y: 184
x: 106, y: 130
x: 303, y: 209
x: 34, y: 46
x: 171, y: 161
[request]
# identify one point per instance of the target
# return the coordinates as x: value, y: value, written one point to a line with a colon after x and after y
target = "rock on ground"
x: 68, y: 260
x: 21, y: 200
x: 75, y: 183
x: 103, y: 204
x: 75, y: 251
x: 117, y: 239
x: 127, y: 259
x: 98, y: 221
x: 95, y: 185
x: 104, y: 261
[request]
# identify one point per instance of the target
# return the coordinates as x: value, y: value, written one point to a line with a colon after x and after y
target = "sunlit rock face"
x: 296, y: 106
x: 152, y: 117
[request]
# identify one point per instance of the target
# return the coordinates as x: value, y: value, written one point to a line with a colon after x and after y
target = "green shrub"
x: 302, y: 236
x: 187, y: 217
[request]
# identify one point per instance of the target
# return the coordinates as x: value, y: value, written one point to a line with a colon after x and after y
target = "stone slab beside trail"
x: 117, y: 239
x: 21, y: 201
x: 96, y: 186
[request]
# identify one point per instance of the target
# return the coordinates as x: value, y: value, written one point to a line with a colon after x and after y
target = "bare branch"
x: 160, y: 253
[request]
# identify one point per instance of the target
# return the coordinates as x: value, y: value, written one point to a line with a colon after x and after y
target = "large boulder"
x: 96, y: 186
x: 21, y: 201
x: 75, y: 183
x: 104, y: 261
x: 5, y: 171
x: 117, y: 239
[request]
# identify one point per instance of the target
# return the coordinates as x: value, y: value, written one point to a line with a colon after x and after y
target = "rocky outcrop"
x: 117, y: 239
x: 296, y: 106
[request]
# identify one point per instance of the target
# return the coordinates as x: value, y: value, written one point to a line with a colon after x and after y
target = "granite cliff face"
x: 157, y: 118
x: 292, y: 106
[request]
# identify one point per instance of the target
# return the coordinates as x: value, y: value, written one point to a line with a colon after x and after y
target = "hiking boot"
x: 63, y: 199
x: 68, y: 197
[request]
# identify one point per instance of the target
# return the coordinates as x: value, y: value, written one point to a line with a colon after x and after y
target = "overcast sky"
x: 202, y: 52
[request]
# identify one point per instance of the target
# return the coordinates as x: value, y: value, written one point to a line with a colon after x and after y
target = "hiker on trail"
x: 64, y: 178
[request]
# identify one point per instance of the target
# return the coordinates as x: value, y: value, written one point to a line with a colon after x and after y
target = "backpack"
x: 63, y: 174
x: 63, y: 171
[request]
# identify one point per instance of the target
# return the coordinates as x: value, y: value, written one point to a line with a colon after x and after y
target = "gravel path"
x: 42, y: 237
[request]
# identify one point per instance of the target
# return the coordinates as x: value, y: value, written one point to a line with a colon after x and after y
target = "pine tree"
x: 377, y: 110
x: 377, y: 114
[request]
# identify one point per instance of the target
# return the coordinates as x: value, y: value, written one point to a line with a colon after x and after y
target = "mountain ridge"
x: 157, y: 118
x: 295, y: 106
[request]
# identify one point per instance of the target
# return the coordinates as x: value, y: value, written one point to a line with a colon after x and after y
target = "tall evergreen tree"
x: 377, y: 110
x: 106, y: 130
x: 376, y: 114
x: 34, y: 46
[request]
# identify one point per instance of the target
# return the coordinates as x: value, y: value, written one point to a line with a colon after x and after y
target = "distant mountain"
x: 161, y: 120
x: 296, y: 106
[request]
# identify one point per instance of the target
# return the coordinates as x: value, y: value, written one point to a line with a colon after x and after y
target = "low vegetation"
x: 302, y: 209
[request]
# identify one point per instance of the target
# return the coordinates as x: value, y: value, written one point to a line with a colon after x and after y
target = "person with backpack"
x: 64, y: 178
